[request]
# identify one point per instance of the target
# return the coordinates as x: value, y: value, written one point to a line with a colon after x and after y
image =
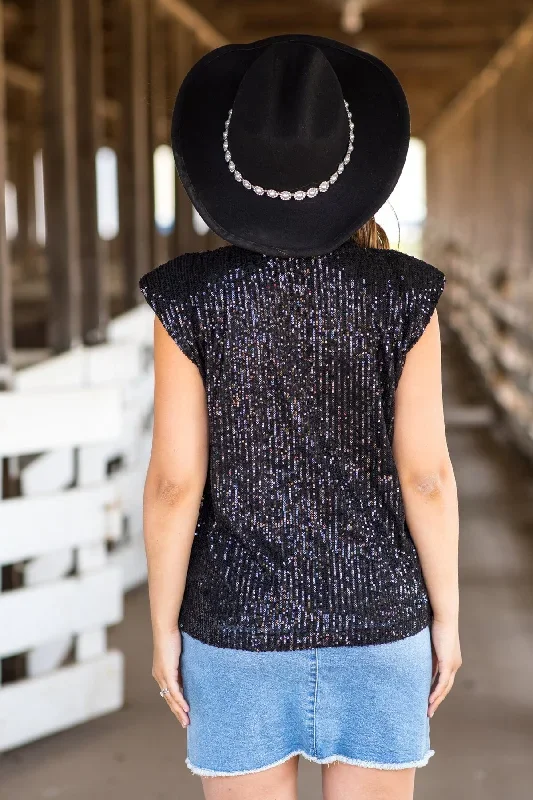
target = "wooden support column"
x: 152, y: 46
x: 23, y: 151
x: 135, y: 172
x: 61, y: 175
x: 89, y: 91
x: 199, y: 241
x: 6, y: 322
x: 156, y: 93
x: 182, y: 55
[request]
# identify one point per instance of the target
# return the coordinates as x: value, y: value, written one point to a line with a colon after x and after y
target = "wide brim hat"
x: 309, y: 116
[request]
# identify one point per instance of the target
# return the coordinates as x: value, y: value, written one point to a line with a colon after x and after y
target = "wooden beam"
x: 195, y: 22
x: 89, y: 89
x: 6, y: 321
x: 259, y: 15
x: 463, y: 12
x: 19, y: 77
x: 259, y: 21
x: 308, y: 26
x: 216, y: 10
x: 61, y: 175
x: 266, y: 7
x: 436, y: 60
x: 438, y: 35
x: 485, y: 80
x: 23, y: 78
x: 134, y: 173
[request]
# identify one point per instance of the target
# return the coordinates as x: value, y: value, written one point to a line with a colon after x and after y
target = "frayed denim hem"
x: 357, y: 762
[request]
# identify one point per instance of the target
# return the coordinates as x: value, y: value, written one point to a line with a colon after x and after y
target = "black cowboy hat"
x: 317, y: 122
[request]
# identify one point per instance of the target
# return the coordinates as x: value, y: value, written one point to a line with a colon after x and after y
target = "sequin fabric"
x: 301, y: 539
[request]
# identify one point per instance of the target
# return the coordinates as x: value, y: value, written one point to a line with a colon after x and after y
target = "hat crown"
x: 254, y: 133
x: 289, y: 125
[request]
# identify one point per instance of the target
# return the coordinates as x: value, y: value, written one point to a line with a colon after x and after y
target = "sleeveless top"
x: 301, y: 539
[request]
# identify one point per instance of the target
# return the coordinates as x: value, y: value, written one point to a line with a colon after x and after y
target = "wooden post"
x: 157, y: 49
x: 23, y: 150
x: 6, y: 332
x: 199, y: 241
x: 182, y: 62
x: 89, y: 92
x: 193, y: 20
x: 61, y: 175
x: 135, y: 172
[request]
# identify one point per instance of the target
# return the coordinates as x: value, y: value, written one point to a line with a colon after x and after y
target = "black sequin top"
x: 301, y: 538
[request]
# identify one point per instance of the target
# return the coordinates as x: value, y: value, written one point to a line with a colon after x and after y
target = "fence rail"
x: 75, y: 436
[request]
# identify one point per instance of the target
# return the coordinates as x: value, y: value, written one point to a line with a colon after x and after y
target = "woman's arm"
x: 172, y: 494
x: 430, y: 496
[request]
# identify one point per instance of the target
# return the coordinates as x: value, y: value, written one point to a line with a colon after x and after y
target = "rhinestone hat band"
x: 283, y: 194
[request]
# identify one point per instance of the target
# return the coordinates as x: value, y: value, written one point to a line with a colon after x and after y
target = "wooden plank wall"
x: 479, y: 230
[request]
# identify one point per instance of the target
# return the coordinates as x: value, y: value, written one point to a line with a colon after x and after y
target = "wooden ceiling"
x: 434, y: 46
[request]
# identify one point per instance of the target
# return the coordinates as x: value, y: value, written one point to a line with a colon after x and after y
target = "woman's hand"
x: 166, y: 671
x: 446, y: 660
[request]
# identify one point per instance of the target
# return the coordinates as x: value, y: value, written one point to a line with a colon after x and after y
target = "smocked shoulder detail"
x: 301, y: 539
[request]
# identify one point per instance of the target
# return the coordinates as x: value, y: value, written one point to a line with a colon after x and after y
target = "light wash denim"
x: 364, y: 705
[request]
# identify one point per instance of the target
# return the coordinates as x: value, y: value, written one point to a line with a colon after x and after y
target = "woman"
x: 301, y: 520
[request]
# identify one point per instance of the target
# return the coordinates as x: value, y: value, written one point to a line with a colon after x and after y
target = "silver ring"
x: 163, y: 692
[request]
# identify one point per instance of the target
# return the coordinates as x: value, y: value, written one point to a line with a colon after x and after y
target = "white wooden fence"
x: 76, y: 433
x: 495, y: 325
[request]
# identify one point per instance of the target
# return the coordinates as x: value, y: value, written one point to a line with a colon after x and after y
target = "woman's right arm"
x: 430, y: 497
x: 172, y: 495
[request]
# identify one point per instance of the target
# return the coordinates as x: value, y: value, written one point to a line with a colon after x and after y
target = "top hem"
x: 263, y: 641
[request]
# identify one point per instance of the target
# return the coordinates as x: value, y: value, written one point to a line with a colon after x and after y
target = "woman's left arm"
x: 172, y: 494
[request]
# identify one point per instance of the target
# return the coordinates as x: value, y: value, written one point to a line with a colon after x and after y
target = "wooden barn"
x: 92, y: 202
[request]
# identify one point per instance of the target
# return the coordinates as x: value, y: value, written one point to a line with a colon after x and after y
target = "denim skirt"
x: 364, y: 705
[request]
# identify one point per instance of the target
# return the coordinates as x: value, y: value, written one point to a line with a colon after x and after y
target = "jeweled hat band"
x: 283, y: 194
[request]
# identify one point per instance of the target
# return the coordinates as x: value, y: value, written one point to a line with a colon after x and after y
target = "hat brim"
x: 309, y: 227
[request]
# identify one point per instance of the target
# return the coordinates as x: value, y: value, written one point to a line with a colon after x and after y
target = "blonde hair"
x: 371, y: 234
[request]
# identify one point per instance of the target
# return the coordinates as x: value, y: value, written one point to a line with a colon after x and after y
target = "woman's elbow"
x: 429, y: 482
x: 170, y: 491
